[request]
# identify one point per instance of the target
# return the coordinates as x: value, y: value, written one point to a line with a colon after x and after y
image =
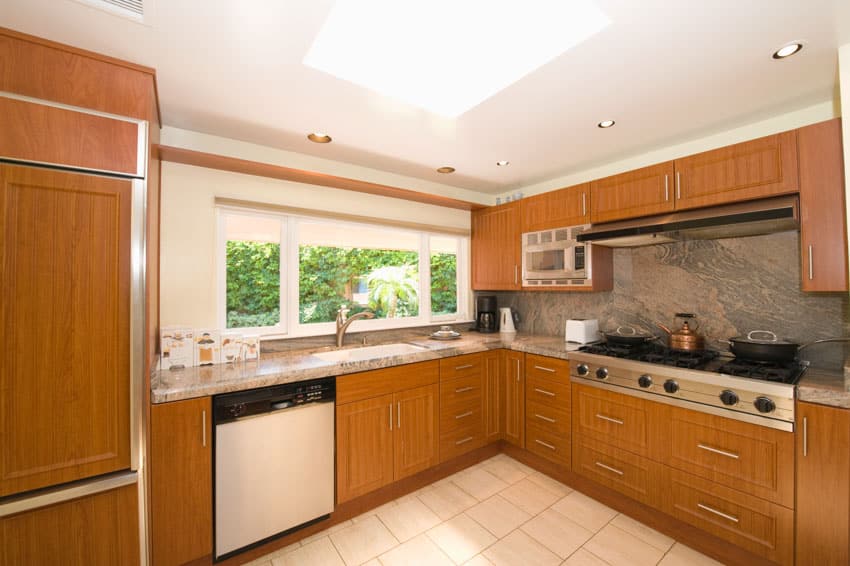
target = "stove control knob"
x: 582, y: 369
x: 602, y: 373
x: 645, y: 381
x: 729, y: 397
x: 670, y: 386
x: 764, y: 405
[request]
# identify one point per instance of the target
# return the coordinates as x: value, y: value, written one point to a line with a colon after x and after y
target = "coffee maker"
x: 486, y: 319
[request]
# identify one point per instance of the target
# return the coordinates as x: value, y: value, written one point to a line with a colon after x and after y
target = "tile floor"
x: 497, y: 512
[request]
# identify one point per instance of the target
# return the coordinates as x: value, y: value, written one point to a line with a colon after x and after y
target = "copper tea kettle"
x: 686, y: 338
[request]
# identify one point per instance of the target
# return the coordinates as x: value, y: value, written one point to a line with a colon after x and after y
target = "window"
x: 289, y: 274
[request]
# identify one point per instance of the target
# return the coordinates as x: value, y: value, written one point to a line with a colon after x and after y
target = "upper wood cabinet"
x: 65, y: 311
x: 181, y: 481
x: 556, y: 209
x: 496, y: 245
x: 641, y: 192
x: 744, y: 171
x: 823, y: 230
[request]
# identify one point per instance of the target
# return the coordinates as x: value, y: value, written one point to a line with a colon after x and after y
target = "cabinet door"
x: 823, y: 491
x: 641, y: 192
x: 556, y: 209
x: 754, y: 169
x: 496, y: 248
x: 96, y: 530
x: 64, y: 306
x: 514, y: 394
x: 493, y: 400
x: 181, y: 481
x: 364, y: 446
x: 823, y: 231
x: 415, y: 436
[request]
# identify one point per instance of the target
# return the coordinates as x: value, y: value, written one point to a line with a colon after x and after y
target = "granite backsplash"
x: 733, y: 286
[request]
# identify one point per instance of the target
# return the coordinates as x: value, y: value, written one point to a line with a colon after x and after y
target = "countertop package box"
x: 177, y: 347
x: 207, y: 347
x: 250, y: 348
x: 232, y: 348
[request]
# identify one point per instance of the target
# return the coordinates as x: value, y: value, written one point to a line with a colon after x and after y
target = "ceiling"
x: 666, y: 71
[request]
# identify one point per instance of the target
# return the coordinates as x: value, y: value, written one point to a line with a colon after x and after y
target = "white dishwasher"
x: 274, y: 462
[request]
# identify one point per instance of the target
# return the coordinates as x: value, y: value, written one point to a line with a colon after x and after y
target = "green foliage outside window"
x: 443, y: 284
x: 253, y: 284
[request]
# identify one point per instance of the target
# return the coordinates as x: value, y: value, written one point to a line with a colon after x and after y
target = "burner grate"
x: 788, y: 372
x: 654, y: 353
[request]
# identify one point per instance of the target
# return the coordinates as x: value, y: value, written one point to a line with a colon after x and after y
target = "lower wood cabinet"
x: 823, y: 485
x: 462, y: 405
x: 513, y: 391
x: 632, y: 475
x: 96, y: 530
x: 181, y: 481
x: 494, y: 402
x: 547, y: 408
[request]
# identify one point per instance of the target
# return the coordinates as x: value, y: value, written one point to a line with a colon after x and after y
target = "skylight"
x: 447, y: 56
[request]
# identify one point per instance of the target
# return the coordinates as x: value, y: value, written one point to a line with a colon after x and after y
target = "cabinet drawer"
x: 461, y: 391
x: 543, y: 442
x: 632, y: 475
x: 548, y: 392
x: 468, y: 365
x: 557, y: 421
x: 368, y: 384
x: 460, y: 441
x: 615, y: 419
x: 746, y: 457
x: 547, y: 368
x: 752, y: 523
x: 460, y: 416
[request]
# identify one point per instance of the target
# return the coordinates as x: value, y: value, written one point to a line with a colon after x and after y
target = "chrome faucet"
x: 343, y: 321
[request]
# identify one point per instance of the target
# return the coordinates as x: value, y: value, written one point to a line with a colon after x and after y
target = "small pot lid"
x: 765, y: 337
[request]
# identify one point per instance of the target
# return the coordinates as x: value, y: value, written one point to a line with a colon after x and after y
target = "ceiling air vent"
x: 130, y: 9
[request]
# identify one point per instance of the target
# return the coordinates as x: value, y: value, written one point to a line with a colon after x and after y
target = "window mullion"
x: 425, y: 277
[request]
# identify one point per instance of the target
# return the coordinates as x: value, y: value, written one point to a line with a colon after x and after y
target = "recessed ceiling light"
x: 788, y: 50
x: 391, y: 47
x: 503, y: 163
x: 319, y: 137
x: 605, y: 124
x: 446, y: 170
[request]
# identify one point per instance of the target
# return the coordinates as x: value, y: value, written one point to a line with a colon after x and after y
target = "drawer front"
x: 752, y: 523
x: 547, y: 368
x: 468, y: 365
x: 461, y: 416
x: 545, y: 443
x: 461, y: 391
x: 615, y: 419
x: 632, y: 475
x: 368, y: 384
x: 547, y: 392
x: 746, y: 457
x: 556, y: 421
x: 460, y: 441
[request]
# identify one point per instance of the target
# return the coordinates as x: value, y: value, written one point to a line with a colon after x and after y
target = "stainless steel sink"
x: 369, y: 352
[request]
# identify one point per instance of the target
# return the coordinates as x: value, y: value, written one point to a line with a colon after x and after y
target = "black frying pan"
x: 769, y: 348
x: 628, y: 336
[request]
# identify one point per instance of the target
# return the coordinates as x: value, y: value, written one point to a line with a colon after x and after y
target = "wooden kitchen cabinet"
x: 749, y: 170
x: 513, y: 391
x: 823, y: 488
x: 621, y: 421
x: 461, y: 405
x: 823, y: 229
x: 556, y: 209
x: 364, y: 447
x: 415, y: 435
x: 547, y: 408
x: 181, y: 481
x: 493, y: 399
x: 496, y: 245
x: 95, y: 530
x: 642, y: 192
x: 65, y: 307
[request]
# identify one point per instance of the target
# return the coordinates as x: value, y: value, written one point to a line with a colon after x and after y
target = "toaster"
x: 582, y: 330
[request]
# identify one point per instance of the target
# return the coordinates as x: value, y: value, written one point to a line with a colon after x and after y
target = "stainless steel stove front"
x: 758, y: 402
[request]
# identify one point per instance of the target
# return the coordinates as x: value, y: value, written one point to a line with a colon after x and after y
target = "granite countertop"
x: 816, y: 386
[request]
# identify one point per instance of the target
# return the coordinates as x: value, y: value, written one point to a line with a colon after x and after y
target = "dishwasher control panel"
x: 242, y: 404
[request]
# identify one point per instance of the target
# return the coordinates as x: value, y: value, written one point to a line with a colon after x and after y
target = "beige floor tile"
x: 508, y: 470
x: 519, y: 548
x: 326, y: 532
x: 363, y: 541
x: 479, y: 560
x: 375, y: 511
x: 581, y: 557
x: 264, y: 561
x: 408, y: 519
x: 447, y: 500
x: 660, y: 541
x: 529, y: 496
x: 479, y: 483
x: 318, y: 553
x: 585, y: 511
x: 498, y: 515
x: 619, y: 548
x: 373, y: 562
x: 418, y: 551
x: 461, y: 538
x: 549, y: 484
x: 681, y: 555
x: 557, y: 533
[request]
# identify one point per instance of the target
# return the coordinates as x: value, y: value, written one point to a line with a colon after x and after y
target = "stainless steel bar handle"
x: 544, y: 392
x: 666, y: 188
x: 811, y: 264
x: 463, y: 441
x: 465, y: 366
x: 546, y: 444
x: 463, y: 389
x: 805, y: 436
x: 584, y: 204
x: 391, y: 415
x: 678, y: 186
x: 718, y: 513
x: 463, y: 415
x: 544, y: 418
x: 609, y: 419
x: 718, y: 451
x: 517, y: 369
x: 609, y: 468
x: 541, y: 368
x: 398, y: 415
x: 204, y: 428
x: 516, y: 274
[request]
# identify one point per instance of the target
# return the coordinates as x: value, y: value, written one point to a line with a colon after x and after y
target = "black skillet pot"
x: 763, y: 346
x: 628, y: 336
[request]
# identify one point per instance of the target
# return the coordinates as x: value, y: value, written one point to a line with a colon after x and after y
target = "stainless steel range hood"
x: 749, y: 218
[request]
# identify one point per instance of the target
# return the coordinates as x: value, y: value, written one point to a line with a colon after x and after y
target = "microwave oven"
x: 554, y: 258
